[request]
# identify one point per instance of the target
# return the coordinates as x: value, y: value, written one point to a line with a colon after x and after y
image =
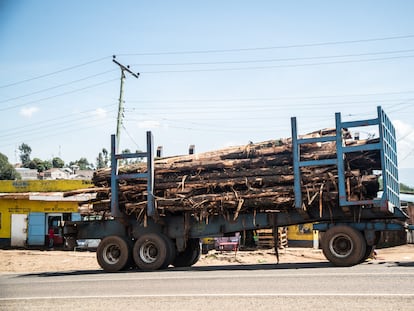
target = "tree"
x: 83, y: 164
x: 102, y: 159
x: 406, y: 189
x: 126, y: 161
x: 25, y: 152
x: 7, y: 171
x: 40, y: 165
x: 132, y: 160
x: 57, y: 162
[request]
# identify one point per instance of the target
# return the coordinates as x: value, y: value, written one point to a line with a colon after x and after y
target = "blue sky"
x: 212, y: 73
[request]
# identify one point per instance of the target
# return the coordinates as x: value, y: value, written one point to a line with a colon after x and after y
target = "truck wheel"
x: 151, y: 252
x: 368, y: 253
x: 190, y: 255
x: 371, y: 248
x: 170, y: 252
x: 70, y: 243
x: 113, y: 253
x: 343, y: 246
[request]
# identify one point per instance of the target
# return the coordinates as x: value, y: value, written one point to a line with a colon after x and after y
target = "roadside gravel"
x: 27, y: 261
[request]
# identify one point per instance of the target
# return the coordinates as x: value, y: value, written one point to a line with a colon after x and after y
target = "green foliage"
x: 83, y: 164
x: 403, y: 188
x: 25, y: 152
x: 7, y: 171
x: 57, y: 162
x: 406, y: 189
x: 132, y: 160
x: 40, y: 165
x: 102, y: 159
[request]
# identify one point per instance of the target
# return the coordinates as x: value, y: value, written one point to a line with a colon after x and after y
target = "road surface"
x: 298, y: 286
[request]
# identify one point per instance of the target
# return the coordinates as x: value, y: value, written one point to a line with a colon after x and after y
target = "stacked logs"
x: 255, y: 177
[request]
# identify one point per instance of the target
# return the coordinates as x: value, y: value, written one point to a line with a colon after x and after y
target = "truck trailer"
x: 155, y: 232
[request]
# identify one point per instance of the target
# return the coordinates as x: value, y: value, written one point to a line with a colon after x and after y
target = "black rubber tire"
x: 113, y: 253
x: 130, y: 265
x: 70, y: 243
x: 371, y: 248
x: 170, y: 252
x: 151, y: 252
x: 190, y: 255
x: 368, y: 252
x: 343, y: 246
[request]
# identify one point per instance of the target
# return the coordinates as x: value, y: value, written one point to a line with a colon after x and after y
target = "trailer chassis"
x: 351, y: 229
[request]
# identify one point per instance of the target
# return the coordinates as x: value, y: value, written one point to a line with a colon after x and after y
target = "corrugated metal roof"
x: 47, y: 196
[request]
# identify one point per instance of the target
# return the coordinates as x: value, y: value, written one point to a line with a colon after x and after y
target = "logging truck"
x: 154, y: 214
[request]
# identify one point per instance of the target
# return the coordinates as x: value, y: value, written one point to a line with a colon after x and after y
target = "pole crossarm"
x: 121, y: 95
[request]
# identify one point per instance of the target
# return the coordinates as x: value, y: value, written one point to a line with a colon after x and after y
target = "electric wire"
x: 58, y: 95
x: 57, y: 86
x: 273, y: 47
x: 29, y: 139
x: 276, y: 66
x: 58, y: 122
x: 274, y: 59
x: 54, y: 72
x: 402, y: 105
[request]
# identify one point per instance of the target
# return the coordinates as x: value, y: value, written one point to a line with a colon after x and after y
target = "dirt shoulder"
x: 28, y: 261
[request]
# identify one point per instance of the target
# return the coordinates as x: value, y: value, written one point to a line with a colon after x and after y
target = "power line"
x: 130, y: 137
x: 269, y: 98
x: 229, y: 69
x: 44, y: 124
x: 213, y: 51
x: 406, y: 156
x: 57, y: 86
x: 277, y: 66
x: 64, y: 130
x: 57, y: 95
x: 54, y: 72
x: 272, y: 47
x: 276, y: 59
x: 264, y: 104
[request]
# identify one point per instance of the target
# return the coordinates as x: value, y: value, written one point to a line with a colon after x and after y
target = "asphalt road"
x: 386, y: 286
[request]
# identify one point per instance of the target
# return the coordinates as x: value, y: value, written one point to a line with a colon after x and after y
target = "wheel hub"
x: 112, y: 254
x: 341, y: 245
x: 148, y: 252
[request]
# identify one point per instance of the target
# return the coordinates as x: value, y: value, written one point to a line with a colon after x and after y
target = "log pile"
x: 255, y: 177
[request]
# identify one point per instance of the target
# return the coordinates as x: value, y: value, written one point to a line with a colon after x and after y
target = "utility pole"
x: 121, y: 101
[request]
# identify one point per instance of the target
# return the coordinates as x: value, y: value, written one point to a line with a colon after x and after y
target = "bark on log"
x: 244, y: 178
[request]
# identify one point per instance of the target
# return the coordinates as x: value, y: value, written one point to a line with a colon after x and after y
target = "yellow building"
x: 302, y: 236
x: 29, y: 209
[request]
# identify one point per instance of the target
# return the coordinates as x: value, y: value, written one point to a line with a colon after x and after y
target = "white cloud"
x: 27, y: 112
x: 149, y: 124
x: 100, y: 113
x: 405, y: 143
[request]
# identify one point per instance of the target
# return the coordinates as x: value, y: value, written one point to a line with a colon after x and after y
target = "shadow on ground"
x: 235, y: 267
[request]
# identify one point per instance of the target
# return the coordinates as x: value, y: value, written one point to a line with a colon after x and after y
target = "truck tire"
x: 343, y: 246
x: 152, y: 252
x: 170, y: 252
x: 113, y: 254
x: 371, y: 248
x: 190, y: 255
x: 70, y: 243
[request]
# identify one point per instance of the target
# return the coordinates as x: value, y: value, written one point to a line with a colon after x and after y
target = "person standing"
x: 51, y: 237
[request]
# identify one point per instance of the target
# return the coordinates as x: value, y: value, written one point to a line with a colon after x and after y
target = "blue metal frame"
x: 361, y: 226
x: 387, y: 146
x: 149, y: 175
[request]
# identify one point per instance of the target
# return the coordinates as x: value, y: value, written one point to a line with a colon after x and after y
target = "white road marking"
x: 207, y: 275
x: 198, y: 295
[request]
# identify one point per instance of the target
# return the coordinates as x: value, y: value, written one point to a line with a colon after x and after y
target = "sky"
x: 212, y: 73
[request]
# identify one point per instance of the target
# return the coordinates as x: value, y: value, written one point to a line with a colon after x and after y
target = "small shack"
x: 29, y: 209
